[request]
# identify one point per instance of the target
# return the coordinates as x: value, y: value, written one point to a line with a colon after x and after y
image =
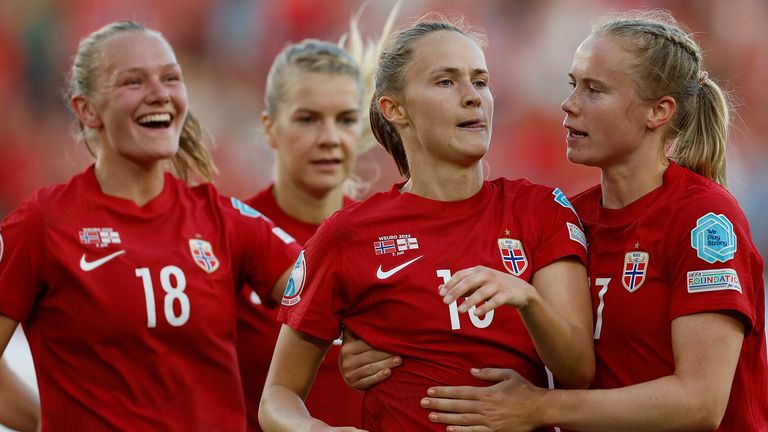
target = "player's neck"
x: 445, y: 183
x: 130, y: 181
x: 305, y: 206
x: 622, y: 185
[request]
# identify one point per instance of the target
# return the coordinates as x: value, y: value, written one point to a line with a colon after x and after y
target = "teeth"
x: 150, y: 118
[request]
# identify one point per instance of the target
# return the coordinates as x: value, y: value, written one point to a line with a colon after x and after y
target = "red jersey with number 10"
x: 130, y: 311
x: 376, y: 266
x: 682, y: 249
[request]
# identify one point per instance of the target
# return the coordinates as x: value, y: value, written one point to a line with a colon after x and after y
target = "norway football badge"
x: 202, y: 253
x: 513, y: 256
x: 295, y: 285
x: 635, y: 269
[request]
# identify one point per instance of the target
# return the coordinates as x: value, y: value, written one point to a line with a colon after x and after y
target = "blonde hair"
x: 192, y: 157
x: 390, y: 79
x: 669, y: 62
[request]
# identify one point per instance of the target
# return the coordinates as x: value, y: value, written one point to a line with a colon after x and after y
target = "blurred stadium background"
x: 226, y: 46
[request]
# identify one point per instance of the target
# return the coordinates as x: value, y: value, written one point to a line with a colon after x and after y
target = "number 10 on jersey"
x: 453, y: 309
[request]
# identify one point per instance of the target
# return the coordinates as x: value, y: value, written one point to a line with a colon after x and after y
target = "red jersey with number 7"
x: 682, y: 249
x: 376, y: 266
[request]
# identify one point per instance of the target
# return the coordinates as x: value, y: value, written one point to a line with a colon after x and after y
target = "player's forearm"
x: 283, y: 410
x: 566, y: 349
x: 19, y: 406
x: 665, y: 404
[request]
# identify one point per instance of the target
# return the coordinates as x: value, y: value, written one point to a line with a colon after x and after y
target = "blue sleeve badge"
x: 561, y: 199
x: 295, y: 285
x: 714, y: 238
x: 245, y: 209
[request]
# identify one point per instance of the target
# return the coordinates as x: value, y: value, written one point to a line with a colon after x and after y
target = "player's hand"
x: 510, y: 405
x: 482, y: 284
x: 362, y: 366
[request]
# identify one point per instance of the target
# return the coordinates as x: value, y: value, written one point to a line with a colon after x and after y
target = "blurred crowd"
x: 226, y: 47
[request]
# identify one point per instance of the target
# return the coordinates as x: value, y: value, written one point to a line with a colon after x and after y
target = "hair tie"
x: 703, y: 76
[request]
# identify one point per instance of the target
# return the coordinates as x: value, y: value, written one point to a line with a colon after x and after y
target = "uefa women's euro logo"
x: 295, y: 285
x: 713, y: 238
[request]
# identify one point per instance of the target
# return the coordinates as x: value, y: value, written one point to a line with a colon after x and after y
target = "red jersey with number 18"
x: 130, y: 311
x: 682, y: 249
x: 375, y: 267
x: 330, y: 399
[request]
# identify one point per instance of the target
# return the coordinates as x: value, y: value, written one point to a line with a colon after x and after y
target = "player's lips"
x: 156, y: 120
x: 326, y: 162
x: 472, y: 124
x: 574, y: 133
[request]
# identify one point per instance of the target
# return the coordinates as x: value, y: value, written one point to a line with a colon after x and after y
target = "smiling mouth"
x: 155, y: 121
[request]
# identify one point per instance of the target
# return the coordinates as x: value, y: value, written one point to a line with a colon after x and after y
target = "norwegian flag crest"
x: 202, y: 253
x: 635, y: 268
x: 513, y: 256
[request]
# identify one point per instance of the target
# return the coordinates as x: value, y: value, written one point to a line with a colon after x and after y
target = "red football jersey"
x: 682, y: 249
x: 376, y: 266
x: 129, y: 310
x: 330, y: 399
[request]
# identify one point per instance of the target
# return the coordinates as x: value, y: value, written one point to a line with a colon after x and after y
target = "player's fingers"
x: 459, y: 419
x: 369, y: 369
x: 464, y: 287
x: 367, y: 382
x: 489, y: 305
x: 481, y: 294
x: 494, y: 374
x: 455, y: 428
x: 455, y: 392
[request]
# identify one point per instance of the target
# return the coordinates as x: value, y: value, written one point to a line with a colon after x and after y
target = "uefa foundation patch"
x: 713, y: 280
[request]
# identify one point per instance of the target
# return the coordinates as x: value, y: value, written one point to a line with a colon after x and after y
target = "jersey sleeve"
x: 561, y: 233
x: 21, y: 259
x: 262, y: 251
x: 314, y: 297
x: 712, y: 260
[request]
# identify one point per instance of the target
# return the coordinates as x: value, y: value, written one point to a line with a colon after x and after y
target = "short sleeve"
x: 711, y: 260
x: 561, y: 233
x: 262, y: 250
x: 21, y: 260
x: 314, y: 298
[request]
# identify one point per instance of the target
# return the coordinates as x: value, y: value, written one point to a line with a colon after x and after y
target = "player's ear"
x: 393, y: 111
x: 85, y: 112
x: 266, y: 121
x: 661, y: 112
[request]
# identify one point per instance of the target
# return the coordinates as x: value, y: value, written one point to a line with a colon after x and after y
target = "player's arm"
x: 19, y: 407
x: 706, y: 350
x: 279, y: 288
x: 555, y: 308
x: 294, y: 365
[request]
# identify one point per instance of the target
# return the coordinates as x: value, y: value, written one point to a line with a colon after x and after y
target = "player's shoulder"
x: 525, y: 192
x: 356, y: 211
x: 695, y: 195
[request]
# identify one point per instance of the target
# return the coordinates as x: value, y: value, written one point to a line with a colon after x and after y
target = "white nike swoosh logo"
x: 88, y: 266
x: 381, y: 274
